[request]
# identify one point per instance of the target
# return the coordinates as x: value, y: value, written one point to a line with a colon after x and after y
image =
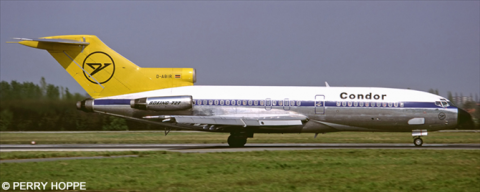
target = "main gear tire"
x: 236, y: 141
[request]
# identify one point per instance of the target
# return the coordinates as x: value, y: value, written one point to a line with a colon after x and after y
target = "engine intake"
x: 168, y: 103
x: 85, y: 105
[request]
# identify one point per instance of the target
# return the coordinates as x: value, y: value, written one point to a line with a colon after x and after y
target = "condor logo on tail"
x: 99, y: 66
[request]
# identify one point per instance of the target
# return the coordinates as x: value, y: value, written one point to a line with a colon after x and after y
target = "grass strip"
x: 311, y: 170
x: 52, y: 154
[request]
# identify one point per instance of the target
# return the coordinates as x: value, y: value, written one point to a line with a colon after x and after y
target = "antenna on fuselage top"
x: 326, y: 84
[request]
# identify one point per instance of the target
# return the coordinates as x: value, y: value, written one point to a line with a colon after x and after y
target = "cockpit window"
x: 442, y: 103
x: 445, y: 104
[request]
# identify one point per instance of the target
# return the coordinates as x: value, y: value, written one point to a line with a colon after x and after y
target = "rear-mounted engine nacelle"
x: 169, y: 103
x: 85, y: 105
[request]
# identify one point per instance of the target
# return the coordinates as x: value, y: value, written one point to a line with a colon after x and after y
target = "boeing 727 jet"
x: 167, y: 97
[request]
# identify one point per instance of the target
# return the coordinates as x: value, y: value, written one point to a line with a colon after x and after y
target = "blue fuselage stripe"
x: 112, y: 102
x: 237, y: 102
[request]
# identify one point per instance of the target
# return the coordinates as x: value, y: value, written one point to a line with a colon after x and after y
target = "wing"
x: 236, y: 120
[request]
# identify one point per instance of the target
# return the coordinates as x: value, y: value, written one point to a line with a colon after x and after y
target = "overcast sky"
x: 399, y: 44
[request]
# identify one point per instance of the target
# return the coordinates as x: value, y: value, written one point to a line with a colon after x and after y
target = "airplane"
x: 168, y: 97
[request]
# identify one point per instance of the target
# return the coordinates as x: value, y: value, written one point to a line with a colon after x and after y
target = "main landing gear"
x: 418, y: 141
x: 238, y: 139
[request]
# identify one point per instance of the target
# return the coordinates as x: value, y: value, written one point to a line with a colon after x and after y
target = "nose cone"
x: 464, y: 120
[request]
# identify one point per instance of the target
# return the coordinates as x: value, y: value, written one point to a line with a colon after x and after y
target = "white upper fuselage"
x: 282, y: 92
x: 332, y: 108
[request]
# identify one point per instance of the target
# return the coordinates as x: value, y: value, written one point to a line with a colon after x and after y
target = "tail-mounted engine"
x: 168, y: 103
x: 85, y: 105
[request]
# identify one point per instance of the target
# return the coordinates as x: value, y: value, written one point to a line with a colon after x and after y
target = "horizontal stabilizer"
x: 63, y: 41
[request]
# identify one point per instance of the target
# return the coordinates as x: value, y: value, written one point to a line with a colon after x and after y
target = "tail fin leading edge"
x: 102, y: 72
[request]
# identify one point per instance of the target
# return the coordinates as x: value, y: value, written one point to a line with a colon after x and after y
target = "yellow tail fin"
x: 102, y: 72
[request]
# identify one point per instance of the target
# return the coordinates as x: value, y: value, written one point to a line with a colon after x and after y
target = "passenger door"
x: 320, y: 104
x: 268, y: 104
x: 286, y: 104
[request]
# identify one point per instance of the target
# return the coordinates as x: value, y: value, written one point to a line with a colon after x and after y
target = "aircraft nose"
x: 464, y: 120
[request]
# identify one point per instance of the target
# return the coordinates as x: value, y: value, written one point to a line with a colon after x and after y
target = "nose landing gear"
x: 417, y: 134
x: 418, y: 141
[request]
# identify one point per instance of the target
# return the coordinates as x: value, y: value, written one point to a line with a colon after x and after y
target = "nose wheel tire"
x: 418, y: 141
x: 236, y: 141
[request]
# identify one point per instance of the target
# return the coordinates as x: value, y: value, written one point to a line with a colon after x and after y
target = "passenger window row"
x: 292, y: 103
x: 368, y: 104
x: 247, y: 102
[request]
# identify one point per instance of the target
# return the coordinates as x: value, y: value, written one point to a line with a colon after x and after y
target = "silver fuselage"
x: 292, y: 109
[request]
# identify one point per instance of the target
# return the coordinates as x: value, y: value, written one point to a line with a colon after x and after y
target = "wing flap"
x: 280, y: 122
x: 242, y: 120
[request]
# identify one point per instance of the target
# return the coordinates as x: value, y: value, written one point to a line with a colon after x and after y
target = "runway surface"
x: 61, y: 159
x: 208, y: 148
